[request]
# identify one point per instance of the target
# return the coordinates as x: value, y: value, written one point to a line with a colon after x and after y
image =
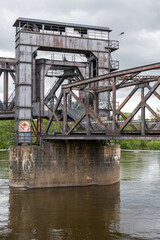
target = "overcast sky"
x: 138, y: 19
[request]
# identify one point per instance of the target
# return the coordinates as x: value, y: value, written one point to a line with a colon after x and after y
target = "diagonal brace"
x: 139, y: 105
x: 89, y: 111
x: 76, y: 123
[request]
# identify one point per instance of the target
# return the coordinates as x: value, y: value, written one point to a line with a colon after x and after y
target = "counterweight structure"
x: 91, y: 42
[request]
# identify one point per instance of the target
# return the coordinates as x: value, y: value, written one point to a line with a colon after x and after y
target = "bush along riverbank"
x: 6, y: 133
x: 140, y: 145
x: 7, y: 129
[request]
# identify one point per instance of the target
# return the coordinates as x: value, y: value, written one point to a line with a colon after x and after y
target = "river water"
x: 129, y: 210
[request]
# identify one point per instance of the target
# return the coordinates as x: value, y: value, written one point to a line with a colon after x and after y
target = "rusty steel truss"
x: 90, y: 125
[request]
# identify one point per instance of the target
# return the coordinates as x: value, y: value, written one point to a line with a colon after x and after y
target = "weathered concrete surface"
x: 61, y: 163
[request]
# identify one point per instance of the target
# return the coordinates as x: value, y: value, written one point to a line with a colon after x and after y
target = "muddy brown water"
x: 129, y: 210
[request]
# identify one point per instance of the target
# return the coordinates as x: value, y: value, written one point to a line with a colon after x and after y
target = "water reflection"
x: 126, y: 211
x: 67, y: 213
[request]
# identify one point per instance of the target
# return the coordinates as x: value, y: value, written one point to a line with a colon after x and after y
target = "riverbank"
x: 133, y: 150
x: 140, y: 145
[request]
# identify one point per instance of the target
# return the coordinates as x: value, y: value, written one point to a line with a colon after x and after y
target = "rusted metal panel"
x: 54, y: 41
x: 25, y: 53
x: 25, y: 73
x: 98, y: 45
x: 103, y: 60
x: 76, y: 44
x: 24, y: 113
x: 24, y: 94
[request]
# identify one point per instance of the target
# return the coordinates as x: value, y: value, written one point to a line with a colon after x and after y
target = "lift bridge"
x: 87, y: 96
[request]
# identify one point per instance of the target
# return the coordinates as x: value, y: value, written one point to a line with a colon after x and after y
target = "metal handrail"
x: 67, y: 57
x: 113, y: 44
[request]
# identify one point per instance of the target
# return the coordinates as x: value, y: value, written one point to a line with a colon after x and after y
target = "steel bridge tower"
x: 91, y: 42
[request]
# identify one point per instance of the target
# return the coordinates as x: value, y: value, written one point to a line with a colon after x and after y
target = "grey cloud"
x: 132, y: 17
x: 138, y: 19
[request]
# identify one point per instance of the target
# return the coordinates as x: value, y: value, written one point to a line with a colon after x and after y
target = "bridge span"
x: 80, y: 118
x: 69, y: 100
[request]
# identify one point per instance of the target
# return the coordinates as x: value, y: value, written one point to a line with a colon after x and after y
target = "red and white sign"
x: 24, y: 126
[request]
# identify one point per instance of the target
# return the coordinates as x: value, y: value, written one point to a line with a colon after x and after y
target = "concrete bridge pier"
x: 64, y: 163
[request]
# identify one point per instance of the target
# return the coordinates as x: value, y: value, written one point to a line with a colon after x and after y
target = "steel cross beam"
x: 126, y: 84
x: 115, y: 74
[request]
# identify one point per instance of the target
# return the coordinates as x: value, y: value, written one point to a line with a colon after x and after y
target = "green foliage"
x: 126, y: 114
x: 140, y: 145
x: 153, y: 145
x: 53, y: 128
x: 6, y: 133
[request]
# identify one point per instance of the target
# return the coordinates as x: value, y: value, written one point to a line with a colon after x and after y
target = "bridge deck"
x: 101, y: 137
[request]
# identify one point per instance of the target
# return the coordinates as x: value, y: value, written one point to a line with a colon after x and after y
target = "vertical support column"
x: 88, y: 123
x: 103, y: 98
x: 34, y: 77
x: 92, y: 71
x: 5, y: 89
x: 64, y: 113
x: 95, y: 103
x: 41, y: 71
x: 69, y: 97
x: 23, y: 93
x: 143, y: 123
x: 114, y: 103
x: 39, y: 127
x: 88, y: 98
x: 42, y: 80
